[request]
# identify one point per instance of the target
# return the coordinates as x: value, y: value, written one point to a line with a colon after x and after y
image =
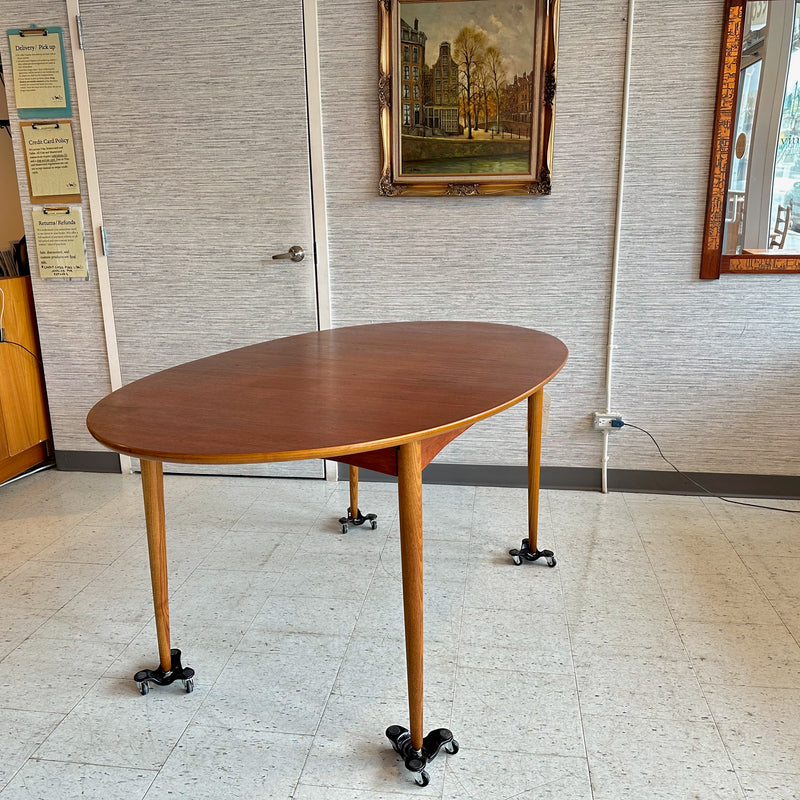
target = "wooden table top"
x: 327, y: 393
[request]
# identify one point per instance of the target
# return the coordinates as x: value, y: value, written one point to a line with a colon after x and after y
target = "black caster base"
x: 177, y: 672
x: 531, y: 555
x: 417, y: 760
x: 358, y: 519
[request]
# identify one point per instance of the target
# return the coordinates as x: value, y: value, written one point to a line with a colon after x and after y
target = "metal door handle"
x: 295, y: 253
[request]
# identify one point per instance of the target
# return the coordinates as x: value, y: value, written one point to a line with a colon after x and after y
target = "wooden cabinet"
x: 25, y: 438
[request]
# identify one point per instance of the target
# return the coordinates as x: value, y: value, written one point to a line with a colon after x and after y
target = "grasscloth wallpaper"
x: 710, y: 367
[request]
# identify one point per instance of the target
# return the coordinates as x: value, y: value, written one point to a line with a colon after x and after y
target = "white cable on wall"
x: 612, y: 305
x: 318, y: 202
x: 95, y: 208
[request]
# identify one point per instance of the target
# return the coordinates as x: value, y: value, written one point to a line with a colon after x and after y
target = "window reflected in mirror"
x: 762, y: 210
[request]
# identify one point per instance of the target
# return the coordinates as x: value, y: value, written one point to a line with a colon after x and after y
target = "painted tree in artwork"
x: 469, y: 50
x: 496, y: 69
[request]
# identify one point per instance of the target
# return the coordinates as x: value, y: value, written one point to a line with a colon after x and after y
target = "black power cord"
x: 618, y: 423
x: 8, y: 341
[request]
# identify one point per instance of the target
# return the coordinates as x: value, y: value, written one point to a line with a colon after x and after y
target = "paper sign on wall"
x: 59, y: 242
x: 49, y: 149
x: 39, y: 67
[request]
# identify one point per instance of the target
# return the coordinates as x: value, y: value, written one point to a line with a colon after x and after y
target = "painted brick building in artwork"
x: 517, y: 99
x: 441, y: 93
x: 412, y: 61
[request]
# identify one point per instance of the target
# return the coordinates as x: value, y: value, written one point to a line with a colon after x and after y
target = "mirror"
x: 753, y: 212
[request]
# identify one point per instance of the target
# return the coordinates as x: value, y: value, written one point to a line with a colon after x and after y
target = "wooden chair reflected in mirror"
x: 754, y: 167
x: 783, y: 218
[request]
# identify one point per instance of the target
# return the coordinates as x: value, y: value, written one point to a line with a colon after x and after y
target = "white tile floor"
x: 659, y: 659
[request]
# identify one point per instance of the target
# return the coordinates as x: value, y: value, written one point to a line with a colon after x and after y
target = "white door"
x: 201, y: 133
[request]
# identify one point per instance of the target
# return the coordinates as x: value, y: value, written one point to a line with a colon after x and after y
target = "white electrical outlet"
x: 602, y: 422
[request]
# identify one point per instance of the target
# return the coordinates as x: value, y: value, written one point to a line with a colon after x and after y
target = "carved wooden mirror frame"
x: 714, y: 261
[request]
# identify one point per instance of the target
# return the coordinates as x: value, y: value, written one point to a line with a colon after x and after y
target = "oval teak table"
x: 387, y: 397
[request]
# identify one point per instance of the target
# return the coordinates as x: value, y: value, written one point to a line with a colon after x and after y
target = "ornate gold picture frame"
x: 466, y: 93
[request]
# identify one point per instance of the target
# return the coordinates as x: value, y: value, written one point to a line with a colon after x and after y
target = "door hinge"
x: 103, y: 241
x: 79, y: 26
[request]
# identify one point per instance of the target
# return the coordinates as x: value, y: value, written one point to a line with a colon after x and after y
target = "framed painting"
x: 466, y: 94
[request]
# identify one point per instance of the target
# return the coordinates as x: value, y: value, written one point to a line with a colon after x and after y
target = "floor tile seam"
x: 585, y: 665
x: 72, y: 640
x: 336, y: 676
x: 746, y: 566
x: 727, y: 622
x: 440, y: 699
x: 177, y: 741
x: 249, y: 627
x: 378, y: 793
x: 691, y: 660
x: 29, y: 710
x: 605, y: 666
x: 35, y: 551
x: 658, y: 720
x: 763, y: 592
x: 30, y: 757
x: 245, y: 510
x: 764, y: 501
x: 795, y: 637
x: 80, y: 762
x: 554, y: 672
x: 581, y: 713
x: 317, y: 785
x: 440, y: 641
x: 770, y: 688
x: 524, y: 672
x: 234, y: 650
x: 63, y: 563
x: 538, y: 787
x: 664, y: 596
x: 730, y: 594
x: 31, y: 560
x: 145, y: 626
x: 771, y: 772
x: 456, y: 660
x: 511, y: 611
x: 30, y: 634
x: 77, y: 702
x: 642, y: 716
x: 307, y: 737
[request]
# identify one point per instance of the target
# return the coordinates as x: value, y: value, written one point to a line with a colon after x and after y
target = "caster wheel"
x: 374, y: 524
x: 144, y: 687
x: 452, y: 747
x: 517, y: 560
x: 344, y: 528
x: 422, y: 778
x: 188, y: 684
x: 551, y: 562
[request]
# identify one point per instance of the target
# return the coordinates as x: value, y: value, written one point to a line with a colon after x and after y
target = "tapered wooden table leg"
x: 417, y: 750
x: 353, y: 490
x: 529, y: 550
x: 535, y: 404
x: 170, y: 668
x: 153, y: 490
x: 409, y: 486
x: 354, y: 516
